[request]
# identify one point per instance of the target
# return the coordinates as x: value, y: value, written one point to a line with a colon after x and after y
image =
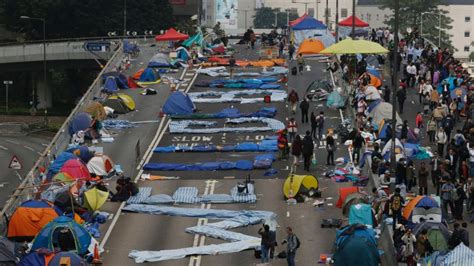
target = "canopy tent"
x: 81, y: 121
x: 420, y: 202
x: 64, y: 234
x: 96, y: 109
x: 179, y: 103
x: 345, y: 27
x: 383, y: 111
x: 460, y: 255
x: 352, y: 199
x: 356, y: 246
x: 29, y: 218
x: 149, y: 77
x: 349, y: 46
x: 310, y: 46
x: 95, y: 198
x: 100, y: 165
x: 120, y: 79
x: 121, y: 103
x: 297, y: 185
x: 7, y: 252
x: 438, y: 234
x: 160, y: 60
x: 76, y: 169
x: 343, y: 193
x: 110, y: 85
x: 307, y: 27
x: 171, y: 35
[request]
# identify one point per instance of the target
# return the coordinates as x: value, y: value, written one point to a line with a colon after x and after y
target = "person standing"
x: 409, y: 239
x: 304, y: 106
x: 314, y: 125
x: 357, y: 143
x: 232, y: 65
x: 411, y: 71
x: 446, y: 197
x: 301, y: 63
x: 459, y: 201
x: 410, y: 175
x: 404, y: 132
x: 291, y: 51
x: 296, y: 149
x: 308, y: 148
x: 292, y: 129
x: 401, y: 97
x: 293, y: 99
x: 266, y: 242
x: 431, y: 130
x: 435, y: 162
x: 396, y: 204
x: 330, y: 148
x: 320, y: 124
x: 283, y: 146
x: 423, y: 179
x: 441, y: 140
x: 448, y: 126
x: 292, y: 244
x: 387, y: 94
x: 419, y: 120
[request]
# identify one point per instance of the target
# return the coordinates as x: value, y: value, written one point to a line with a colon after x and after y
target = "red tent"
x: 348, y: 22
x: 171, y: 35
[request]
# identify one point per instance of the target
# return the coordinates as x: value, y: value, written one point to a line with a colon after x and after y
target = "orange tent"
x: 310, y: 46
x: 418, y: 201
x: 374, y: 81
x: 279, y: 61
x: 343, y: 193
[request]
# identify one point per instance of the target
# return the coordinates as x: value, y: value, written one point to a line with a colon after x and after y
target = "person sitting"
x: 125, y: 189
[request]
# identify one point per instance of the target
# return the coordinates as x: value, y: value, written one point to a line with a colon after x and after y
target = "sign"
x: 178, y: 2
x: 226, y: 13
x: 97, y: 46
x: 15, y: 163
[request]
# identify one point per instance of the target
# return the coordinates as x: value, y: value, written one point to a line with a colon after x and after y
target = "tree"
x: 471, y: 56
x: 265, y: 18
x: 411, y: 14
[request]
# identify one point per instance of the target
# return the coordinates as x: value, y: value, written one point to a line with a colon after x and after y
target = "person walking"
x: 446, y: 197
x: 292, y: 244
x: 330, y: 148
x: 292, y: 129
x: 404, y: 132
x: 435, y: 163
x: 266, y: 243
x: 441, y: 140
x: 431, y: 130
x: 293, y: 99
x: 308, y: 148
x: 304, y: 106
x: 320, y: 124
x: 314, y: 125
x: 296, y: 149
x: 448, y: 126
x: 301, y: 63
x: 423, y: 179
x: 357, y: 143
x: 401, y: 97
x: 459, y: 201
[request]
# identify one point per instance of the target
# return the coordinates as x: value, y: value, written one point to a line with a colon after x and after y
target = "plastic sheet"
x: 230, y: 113
x: 264, y: 146
x: 185, y: 126
x: 236, y: 96
x: 214, y: 71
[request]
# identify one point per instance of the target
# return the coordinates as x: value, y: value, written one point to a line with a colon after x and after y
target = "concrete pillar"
x: 44, y: 94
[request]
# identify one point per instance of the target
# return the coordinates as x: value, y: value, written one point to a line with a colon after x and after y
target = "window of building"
x: 343, y: 12
x: 467, y: 19
x: 467, y: 34
x: 466, y: 48
x: 311, y: 12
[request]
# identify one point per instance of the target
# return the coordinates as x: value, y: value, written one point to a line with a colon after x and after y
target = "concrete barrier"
x: 9, y: 129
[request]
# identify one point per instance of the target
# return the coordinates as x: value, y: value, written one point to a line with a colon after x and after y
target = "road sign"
x: 97, y: 46
x: 15, y: 163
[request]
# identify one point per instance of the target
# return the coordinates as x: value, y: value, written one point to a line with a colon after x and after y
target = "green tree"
x: 265, y: 18
x: 411, y: 14
x: 471, y: 56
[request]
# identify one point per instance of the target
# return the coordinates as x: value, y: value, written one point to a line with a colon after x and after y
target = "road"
x: 132, y: 231
x: 27, y: 149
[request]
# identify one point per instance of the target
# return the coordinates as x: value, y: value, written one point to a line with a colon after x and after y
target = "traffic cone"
x: 96, y: 259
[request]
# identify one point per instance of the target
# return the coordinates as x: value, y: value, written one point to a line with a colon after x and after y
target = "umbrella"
x: 95, y: 198
x: 349, y: 46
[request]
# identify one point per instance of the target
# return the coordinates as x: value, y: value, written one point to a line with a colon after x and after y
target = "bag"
x: 282, y: 255
x: 294, y: 71
x: 454, y: 195
x: 396, y: 202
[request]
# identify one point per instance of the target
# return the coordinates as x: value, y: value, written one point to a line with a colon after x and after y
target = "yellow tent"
x: 127, y: 100
x: 95, y: 198
x: 310, y: 46
x: 299, y: 184
x: 349, y: 46
x: 96, y: 110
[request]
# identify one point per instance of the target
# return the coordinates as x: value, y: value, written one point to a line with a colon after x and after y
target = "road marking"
x: 229, y: 177
x: 28, y: 148
x: 287, y: 214
x: 12, y: 141
x: 189, y: 74
x: 39, y: 153
x: 3, y: 148
x: 44, y: 144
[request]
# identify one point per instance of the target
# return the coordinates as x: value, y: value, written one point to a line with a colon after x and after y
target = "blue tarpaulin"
x: 178, y: 103
x: 263, y: 146
x: 335, y: 100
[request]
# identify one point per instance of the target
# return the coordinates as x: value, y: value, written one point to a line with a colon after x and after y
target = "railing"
x: 26, y: 190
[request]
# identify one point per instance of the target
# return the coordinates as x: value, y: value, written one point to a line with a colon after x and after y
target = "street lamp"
x: 44, y: 58
x: 439, y: 26
x: 7, y: 82
x: 393, y: 162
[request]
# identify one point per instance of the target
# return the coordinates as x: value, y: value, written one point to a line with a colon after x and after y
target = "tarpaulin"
x: 230, y: 113
x: 236, y: 96
x: 265, y: 146
x: 187, y: 126
x: 210, y: 166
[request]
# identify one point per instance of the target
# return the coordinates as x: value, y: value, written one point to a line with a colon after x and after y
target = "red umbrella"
x: 171, y: 35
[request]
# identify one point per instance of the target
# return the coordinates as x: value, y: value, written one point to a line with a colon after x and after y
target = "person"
x: 386, y: 94
x: 266, y: 243
x: 410, y: 176
x: 419, y: 120
x: 441, y: 140
x: 281, y: 47
x: 314, y: 125
x: 409, y: 239
x: 435, y: 162
x: 292, y: 129
x: 232, y: 64
x: 304, y: 106
x: 411, y: 70
x: 404, y: 132
x: 330, y: 148
x: 464, y: 234
x: 438, y: 114
x: 283, y: 146
x: 456, y: 237
x: 291, y: 51
x: 459, y: 199
x: 292, y: 244
x: 423, y: 245
x: 396, y: 203
x: 301, y: 63
x: 253, y: 39
x: 357, y: 143
x: 401, y: 97
x: 320, y: 124
x: 423, y: 179
x: 431, y: 130
x: 446, y: 197
x: 308, y: 148
x: 293, y: 99
x: 448, y: 125
x: 296, y: 149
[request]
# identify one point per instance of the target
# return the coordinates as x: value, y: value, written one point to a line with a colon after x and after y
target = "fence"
x: 26, y: 190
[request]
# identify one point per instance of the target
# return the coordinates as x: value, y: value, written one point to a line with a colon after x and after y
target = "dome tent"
x: 310, y: 47
x: 298, y: 185
x: 178, y: 103
x: 101, y: 165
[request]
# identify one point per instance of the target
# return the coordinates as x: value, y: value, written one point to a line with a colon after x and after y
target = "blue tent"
x: 60, y: 160
x: 83, y: 153
x: 72, y: 257
x: 34, y: 259
x: 309, y: 23
x: 356, y: 245
x: 178, y: 103
x: 160, y: 60
x: 374, y: 72
x: 50, y: 236
x: 110, y: 85
x: 361, y: 214
x: 149, y: 75
x: 120, y: 79
x: 81, y: 121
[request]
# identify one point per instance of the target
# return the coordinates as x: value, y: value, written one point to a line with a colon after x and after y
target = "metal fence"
x: 28, y: 188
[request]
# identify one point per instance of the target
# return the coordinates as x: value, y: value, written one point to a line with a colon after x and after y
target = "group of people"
x: 269, y: 243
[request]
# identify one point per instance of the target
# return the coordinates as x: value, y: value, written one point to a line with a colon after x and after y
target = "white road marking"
x: 3, y: 148
x: 39, y: 153
x: 28, y: 148
x: 12, y: 141
x: 287, y: 214
x: 44, y: 144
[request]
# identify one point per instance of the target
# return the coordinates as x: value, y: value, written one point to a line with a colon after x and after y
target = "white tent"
x: 383, y: 111
x: 100, y: 165
x: 372, y: 93
x: 399, y: 149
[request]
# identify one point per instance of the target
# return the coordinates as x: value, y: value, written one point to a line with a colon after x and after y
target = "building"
x: 234, y: 15
x: 370, y: 12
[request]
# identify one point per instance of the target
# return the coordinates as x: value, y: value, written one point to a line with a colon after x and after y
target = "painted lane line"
x: 12, y: 141
x: 39, y: 153
x: 3, y: 148
x: 28, y: 148
x: 201, y: 221
x: 208, y: 206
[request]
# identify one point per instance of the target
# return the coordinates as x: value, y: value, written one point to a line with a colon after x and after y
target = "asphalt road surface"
x: 132, y: 231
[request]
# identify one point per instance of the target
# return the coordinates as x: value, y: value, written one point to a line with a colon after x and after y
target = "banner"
x: 226, y: 13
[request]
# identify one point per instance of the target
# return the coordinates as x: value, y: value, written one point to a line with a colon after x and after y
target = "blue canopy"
x: 120, y: 79
x: 110, y: 84
x: 81, y: 121
x: 178, y: 103
x: 149, y: 75
x: 309, y: 23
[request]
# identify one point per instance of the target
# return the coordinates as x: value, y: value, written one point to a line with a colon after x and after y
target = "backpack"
x: 320, y: 121
x: 458, y: 140
x: 298, y: 243
x: 396, y: 202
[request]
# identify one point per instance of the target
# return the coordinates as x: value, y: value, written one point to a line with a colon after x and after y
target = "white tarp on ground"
x: 236, y: 96
x: 383, y: 111
x: 214, y: 71
x: 185, y: 126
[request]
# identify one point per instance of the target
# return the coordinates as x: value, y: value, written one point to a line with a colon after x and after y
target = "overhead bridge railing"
x: 28, y: 188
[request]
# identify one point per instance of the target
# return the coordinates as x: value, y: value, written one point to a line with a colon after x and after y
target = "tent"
x: 297, y: 185
x: 67, y: 258
x: 345, y: 27
x: 65, y: 234
x: 343, y: 193
x: 399, y: 149
x: 82, y: 152
x: 76, y: 169
x: 352, y: 199
x: 420, y: 202
x: 63, y: 177
x: 136, y: 75
x: 307, y: 27
x: 95, y: 198
x: 101, y: 165
x: 438, y: 234
x: 81, y: 121
x: 29, y: 218
x: 95, y: 109
x: 60, y: 160
x: 310, y: 46
x: 178, y: 103
x: 308, y: 23
x: 120, y: 79
x: 110, y: 85
x: 433, y: 215
x: 121, y: 103
x: 160, y: 60
x: 460, y: 256
x: 171, y: 35
x: 149, y: 77
x: 349, y: 46
x: 361, y: 213
x: 371, y: 92
x: 40, y: 257
x: 356, y: 246
x: 381, y: 111
x: 7, y: 252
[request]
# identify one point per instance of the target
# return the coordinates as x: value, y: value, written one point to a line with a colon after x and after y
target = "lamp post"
x: 44, y: 58
x: 353, y: 19
x: 276, y: 18
x: 439, y: 26
x: 326, y: 12
x: 395, y: 70
x: 337, y: 21
x: 7, y: 82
